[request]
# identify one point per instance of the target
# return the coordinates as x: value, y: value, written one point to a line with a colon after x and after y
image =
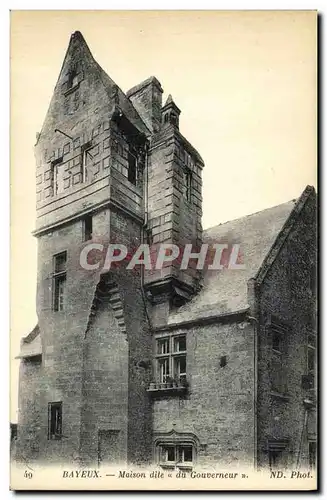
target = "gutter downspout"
x: 254, y: 317
x: 145, y: 225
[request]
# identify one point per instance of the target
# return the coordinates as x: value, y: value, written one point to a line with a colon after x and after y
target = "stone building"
x: 180, y: 367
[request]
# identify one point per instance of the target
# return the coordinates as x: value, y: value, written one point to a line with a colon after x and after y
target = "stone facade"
x: 129, y: 367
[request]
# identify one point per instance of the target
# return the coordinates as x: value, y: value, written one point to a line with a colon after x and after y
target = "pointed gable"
x: 71, y: 95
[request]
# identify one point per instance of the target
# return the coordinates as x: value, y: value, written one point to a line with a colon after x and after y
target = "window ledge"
x: 161, y: 389
x: 279, y: 395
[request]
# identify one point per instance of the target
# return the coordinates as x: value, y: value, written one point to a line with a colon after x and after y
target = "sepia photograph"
x: 163, y: 250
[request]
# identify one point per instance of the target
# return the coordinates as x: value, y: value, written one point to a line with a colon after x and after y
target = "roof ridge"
x: 294, y: 200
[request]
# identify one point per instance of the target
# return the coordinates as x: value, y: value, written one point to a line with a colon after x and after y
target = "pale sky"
x: 244, y: 81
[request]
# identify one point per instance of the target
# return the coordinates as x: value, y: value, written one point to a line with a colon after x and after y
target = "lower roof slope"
x: 225, y: 291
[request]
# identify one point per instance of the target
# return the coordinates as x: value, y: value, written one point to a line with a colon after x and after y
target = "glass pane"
x: 163, y: 346
x: 180, y: 366
x: 179, y: 344
x: 60, y: 262
x: 187, y: 453
x: 167, y: 453
x: 163, y: 365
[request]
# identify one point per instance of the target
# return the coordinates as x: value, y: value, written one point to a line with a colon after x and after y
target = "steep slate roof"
x: 225, y: 291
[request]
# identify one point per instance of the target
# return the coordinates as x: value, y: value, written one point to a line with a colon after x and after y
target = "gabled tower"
x: 110, y: 168
x: 91, y: 398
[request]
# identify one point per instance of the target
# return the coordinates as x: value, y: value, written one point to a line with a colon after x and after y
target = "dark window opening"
x: 274, y: 458
x: 55, y: 420
x: 187, y: 184
x: 87, y: 228
x: 166, y: 118
x: 132, y: 168
x: 223, y: 361
x: 173, y: 119
x: 277, y: 341
x: 312, y: 454
x: 72, y: 80
x: 59, y: 281
x: 311, y: 360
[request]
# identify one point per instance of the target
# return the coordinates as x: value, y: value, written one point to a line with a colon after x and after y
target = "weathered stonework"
x: 98, y: 356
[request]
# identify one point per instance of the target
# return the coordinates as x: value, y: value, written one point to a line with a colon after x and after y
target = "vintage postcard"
x: 164, y: 195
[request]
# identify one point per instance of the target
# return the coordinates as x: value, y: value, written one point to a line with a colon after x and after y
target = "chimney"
x: 147, y: 100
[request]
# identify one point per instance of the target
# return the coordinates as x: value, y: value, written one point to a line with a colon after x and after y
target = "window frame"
x: 172, y: 355
x: 187, y: 184
x: 54, y: 174
x: 87, y: 232
x: 131, y: 153
x: 85, y: 150
x: 179, y: 451
x: 59, y: 276
x: 57, y: 434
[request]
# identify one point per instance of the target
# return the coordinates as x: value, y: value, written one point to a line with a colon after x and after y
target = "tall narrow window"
x: 59, y: 281
x: 87, y: 228
x: 311, y: 358
x: 278, y: 365
x: 312, y: 454
x: 132, y: 168
x: 55, y: 420
x: 57, y: 176
x: 187, y: 184
x: 87, y: 159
